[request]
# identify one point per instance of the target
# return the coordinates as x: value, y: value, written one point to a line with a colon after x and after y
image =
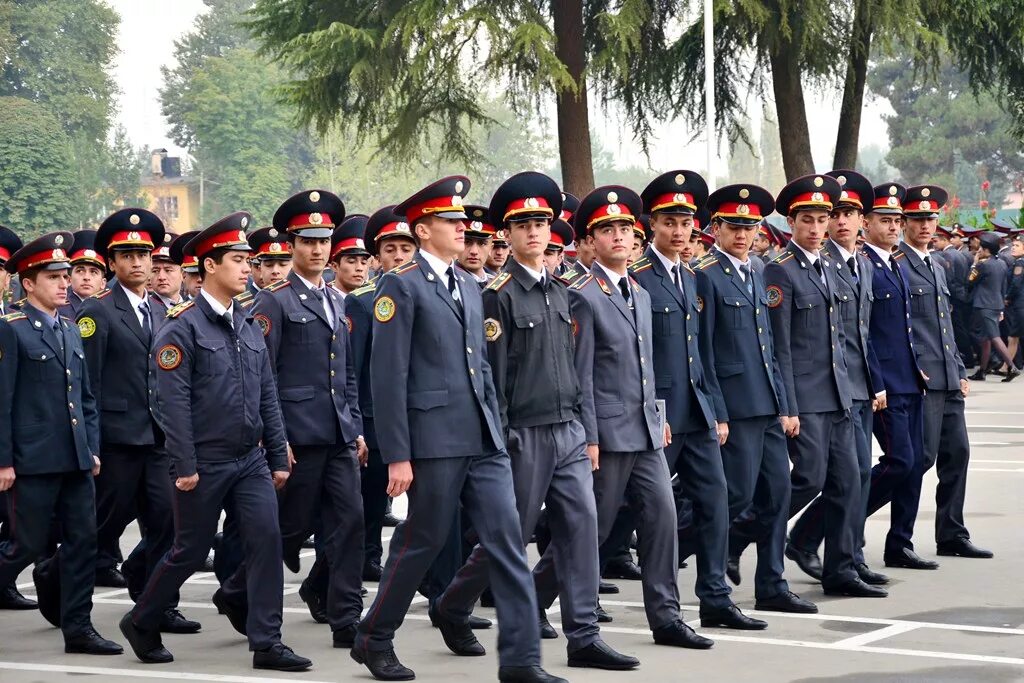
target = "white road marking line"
x: 995, y: 469
x: 1000, y: 462
x: 990, y: 443
x: 1016, y: 427
x: 145, y: 673
x: 876, y: 635
x: 995, y: 412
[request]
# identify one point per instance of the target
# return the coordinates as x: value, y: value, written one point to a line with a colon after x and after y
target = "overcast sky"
x: 148, y: 30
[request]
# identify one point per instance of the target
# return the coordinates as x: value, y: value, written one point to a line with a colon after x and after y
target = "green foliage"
x: 37, y: 179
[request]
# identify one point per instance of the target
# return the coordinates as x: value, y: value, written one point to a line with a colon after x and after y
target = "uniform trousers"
x: 374, y: 488
x: 824, y: 458
x: 325, y: 481
x: 947, y: 448
x: 483, y: 483
x: 245, y: 487
x: 809, y: 530
x: 756, y: 465
x: 31, y: 504
x: 896, y: 478
x: 549, y: 467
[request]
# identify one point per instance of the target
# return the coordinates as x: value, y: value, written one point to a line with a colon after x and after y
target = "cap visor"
x: 675, y: 211
x: 740, y: 221
x: 452, y: 214
x: 314, y: 233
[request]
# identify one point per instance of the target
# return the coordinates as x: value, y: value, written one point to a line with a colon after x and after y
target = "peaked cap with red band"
x: 855, y: 190
x: 675, y: 192
x: 310, y: 213
x: 384, y: 224
x: 604, y: 204
x: 45, y: 253
x: 739, y: 205
x: 478, y: 224
x: 163, y: 252
x: 10, y: 243
x: 349, y: 237
x: 888, y: 198
x: 227, y: 233
x: 811, y: 192
x: 924, y: 201
x: 442, y: 198
x: 270, y: 244
x: 129, y: 230
x: 524, y: 196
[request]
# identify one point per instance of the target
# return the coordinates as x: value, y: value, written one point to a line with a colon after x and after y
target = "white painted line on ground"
x: 996, y: 469
x: 995, y: 412
x: 990, y: 443
x: 876, y: 635
x: 144, y: 673
x: 1016, y: 427
x: 999, y: 462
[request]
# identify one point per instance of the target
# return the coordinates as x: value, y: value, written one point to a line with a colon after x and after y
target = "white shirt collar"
x: 167, y: 302
x: 217, y: 307
x: 439, y: 267
x: 920, y: 254
x: 309, y: 284
x: 535, y: 274
x: 845, y: 255
x: 610, y: 274
x: 665, y: 260
x: 811, y: 255
x: 882, y: 253
x: 133, y: 298
x: 735, y: 261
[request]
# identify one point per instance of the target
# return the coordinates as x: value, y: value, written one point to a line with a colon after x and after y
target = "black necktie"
x: 928, y: 262
x: 817, y: 266
x: 675, y: 276
x: 147, y: 326
x: 745, y: 269
x: 895, y: 269
x: 317, y: 294
x: 852, y: 264
x: 226, y: 317
x: 624, y: 288
x: 451, y: 287
x: 57, y: 330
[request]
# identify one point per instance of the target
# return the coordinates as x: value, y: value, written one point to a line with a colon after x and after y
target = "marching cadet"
x: 388, y: 238
x: 228, y: 450
x: 896, y: 478
x: 986, y: 283
x: 49, y: 440
x: 530, y: 346
x: 478, y: 235
x: 303, y: 323
x: 1015, y: 301
x: 801, y: 293
x: 117, y: 327
x: 946, y: 444
x: 498, y: 255
x: 745, y: 383
x: 625, y: 434
x: 693, y: 452
x: 349, y: 258
x: 167, y: 278
x: 429, y: 372
x: 854, y: 297
x: 88, y: 272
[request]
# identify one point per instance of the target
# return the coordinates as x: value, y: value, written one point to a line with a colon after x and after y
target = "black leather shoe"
x: 547, y: 631
x: 1013, y: 374
x: 458, y: 637
x: 11, y: 598
x: 526, y: 674
x: 730, y: 617
x: 961, y: 547
x: 678, y: 634
x: 622, y: 569
x: 344, y: 638
x: 174, y: 621
x: 870, y: 577
x: 602, y: 616
x: 47, y: 592
x: 786, y: 601
x: 605, y: 588
x: 372, y: 571
x: 88, y: 642
x: 906, y: 558
x: 279, y: 657
x: 808, y: 562
x: 732, y: 570
x: 979, y: 376
x: 146, y: 645
x: 110, y: 578
x: 236, y: 614
x: 855, y: 588
x: 314, y: 603
x: 382, y: 664
x: 598, y: 655
x: 391, y: 520
x: 292, y: 561
x: 479, y: 623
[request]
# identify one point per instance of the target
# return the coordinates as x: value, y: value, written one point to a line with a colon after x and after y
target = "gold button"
x: 687, y: 316
x: 68, y: 372
x: 333, y: 337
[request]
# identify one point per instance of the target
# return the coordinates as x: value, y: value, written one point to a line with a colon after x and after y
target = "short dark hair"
x: 218, y: 257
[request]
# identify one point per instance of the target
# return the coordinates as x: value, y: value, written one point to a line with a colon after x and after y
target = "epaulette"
x: 706, y: 263
x: 500, y: 281
x: 365, y: 289
x: 581, y: 283
x: 180, y: 308
x: 404, y: 268
x: 102, y: 295
x: 12, y: 317
x: 567, y: 277
x: 244, y: 298
x: 280, y: 284
x: 898, y: 254
x: 640, y: 265
x: 783, y: 257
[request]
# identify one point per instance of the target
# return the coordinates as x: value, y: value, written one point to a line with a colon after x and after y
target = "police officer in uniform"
x: 806, y: 323
x: 228, y: 449
x: 49, y: 439
x: 117, y: 327
x: 986, y: 283
x: 189, y: 265
x: 498, y: 255
x: 530, y: 346
x: 349, y: 257
x: 745, y: 384
x: 946, y: 445
x: 680, y: 381
x: 88, y: 272
x: 900, y: 427
x: 272, y: 255
x: 853, y: 284
x: 428, y: 373
x: 625, y: 433
x: 167, y: 280
x: 303, y: 323
x: 1015, y: 301
x: 479, y: 232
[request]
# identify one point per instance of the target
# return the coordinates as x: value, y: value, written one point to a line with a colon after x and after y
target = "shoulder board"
x: 11, y: 317
x: 567, y: 277
x: 280, y: 284
x: 499, y: 282
x: 404, y: 268
x: 365, y: 289
x: 640, y: 262
x: 783, y: 257
x: 706, y: 263
x: 581, y: 282
x: 102, y: 295
x: 640, y: 266
x: 898, y: 254
x: 244, y: 297
x: 180, y: 308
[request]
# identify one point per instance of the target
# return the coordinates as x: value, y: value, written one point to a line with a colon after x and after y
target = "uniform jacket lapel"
x: 614, y: 295
x: 812, y: 274
x: 439, y: 288
x: 666, y: 277
x: 129, y: 316
x: 306, y: 298
x: 43, y: 325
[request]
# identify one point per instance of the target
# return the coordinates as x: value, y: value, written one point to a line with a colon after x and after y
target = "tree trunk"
x: 573, y: 115
x: 794, y: 135
x: 848, y: 135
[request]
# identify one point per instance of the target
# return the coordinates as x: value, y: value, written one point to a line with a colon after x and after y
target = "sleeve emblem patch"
x: 264, y: 323
x: 168, y: 357
x: 492, y: 329
x: 774, y: 293
x: 384, y: 309
x: 87, y: 326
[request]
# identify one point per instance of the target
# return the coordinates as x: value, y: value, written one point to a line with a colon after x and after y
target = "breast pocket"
x: 847, y: 303
x: 212, y: 357
x: 252, y: 354
x: 40, y: 365
x: 736, y: 313
x: 300, y: 327
x: 921, y: 297
x: 664, y: 318
x: 527, y: 334
x: 805, y: 313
